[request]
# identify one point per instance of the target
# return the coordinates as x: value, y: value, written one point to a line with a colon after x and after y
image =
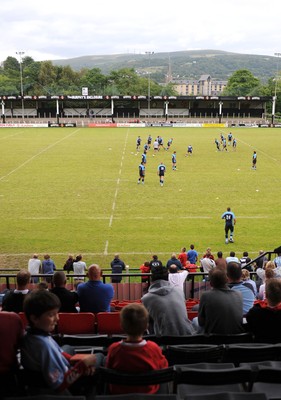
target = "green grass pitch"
x: 72, y: 190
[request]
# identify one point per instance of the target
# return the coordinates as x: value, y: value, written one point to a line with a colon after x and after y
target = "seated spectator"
x: 68, y: 265
x: 79, y: 269
x: 34, y: 267
x: 42, y: 285
x: 234, y: 275
x: 166, y: 306
x: 269, y: 265
x: 263, y: 320
x: 177, y: 277
x: 155, y: 262
x: 94, y: 296
x: 48, y: 267
x: 134, y: 354
x: 191, y: 267
x: 13, y: 299
x: 220, y: 309
x: 192, y: 255
x: 260, y: 263
x: 277, y: 261
x: 246, y: 277
x: 245, y: 260
x: 206, y: 264
x: 174, y: 261
x: 117, y: 266
x: 67, y: 298
x: 183, y: 257
x: 220, y: 261
x: 145, y: 268
x: 269, y: 274
x: 41, y: 309
x: 209, y: 254
x: 232, y: 258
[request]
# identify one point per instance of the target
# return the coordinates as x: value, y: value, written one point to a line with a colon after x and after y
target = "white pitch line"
x: 38, y: 154
x: 106, y: 248
x: 10, y: 136
x: 260, y: 151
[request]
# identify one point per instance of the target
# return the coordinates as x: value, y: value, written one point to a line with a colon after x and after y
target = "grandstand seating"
x: 152, y: 112
x: 109, y: 323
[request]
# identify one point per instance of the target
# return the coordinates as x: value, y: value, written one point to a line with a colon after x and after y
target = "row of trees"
x: 44, y: 78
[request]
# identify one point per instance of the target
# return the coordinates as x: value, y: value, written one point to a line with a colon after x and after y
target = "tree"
x: 242, y: 83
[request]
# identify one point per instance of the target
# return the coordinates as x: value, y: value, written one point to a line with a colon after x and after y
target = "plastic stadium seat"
x: 75, y: 323
x: 251, y: 352
x: 161, y: 377
x: 109, y: 323
x: 194, y: 353
x: 210, y: 378
x: 11, y: 332
x: 227, y: 396
x: 140, y: 396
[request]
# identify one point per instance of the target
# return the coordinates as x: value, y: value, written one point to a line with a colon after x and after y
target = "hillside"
x: 183, y: 64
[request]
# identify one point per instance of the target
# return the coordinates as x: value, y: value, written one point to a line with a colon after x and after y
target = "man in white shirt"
x: 79, y: 268
x: 177, y: 277
x: 34, y: 266
x: 232, y: 258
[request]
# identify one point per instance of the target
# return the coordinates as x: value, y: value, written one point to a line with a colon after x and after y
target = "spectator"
x: 155, y: 262
x: 67, y: 298
x: 277, y: 261
x: 206, y: 264
x: 220, y: 261
x: 117, y: 266
x: 166, y: 306
x: 94, y: 296
x: 79, y: 269
x: 264, y: 321
x: 134, y: 354
x: 183, y: 257
x: 269, y: 265
x: 220, y: 309
x: 177, y: 277
x: 13, y: 299
x: 145, y: 268
x: 260, y: 263
x: 232, y: 258
x: 246, y: 277
x: 41, y: 309
x: 209, y: 254
x: 174, y: 261
x: 34, y: 267
x: 48, y: 267
x: 245, y: 260
x: 68, y: 265
x: 269, y: 274
x: 192, y: 255
x: 42, y: 285
x: 234, y: 275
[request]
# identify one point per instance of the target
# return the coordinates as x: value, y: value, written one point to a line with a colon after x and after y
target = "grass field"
x: 72, y: 190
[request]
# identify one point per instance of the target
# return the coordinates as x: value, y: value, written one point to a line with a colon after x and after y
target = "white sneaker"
x: 226, y: 241
x: 231, y: 240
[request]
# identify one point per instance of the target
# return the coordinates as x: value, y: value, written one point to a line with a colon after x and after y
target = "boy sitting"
x: 42, y: 355
x: 134, y: 354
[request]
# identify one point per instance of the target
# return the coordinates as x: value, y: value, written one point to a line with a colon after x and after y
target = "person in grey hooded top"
x: 166, y: 306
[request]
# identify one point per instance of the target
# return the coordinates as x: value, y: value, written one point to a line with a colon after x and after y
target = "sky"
x: 60, y: 29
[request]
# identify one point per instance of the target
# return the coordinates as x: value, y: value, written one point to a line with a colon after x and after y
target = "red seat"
x: 109, y: 323
x: 24, y: 319
x: 11, y: 332
x: 75, y: 323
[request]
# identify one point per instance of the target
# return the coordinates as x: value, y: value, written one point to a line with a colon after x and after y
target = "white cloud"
x: 61, y: 29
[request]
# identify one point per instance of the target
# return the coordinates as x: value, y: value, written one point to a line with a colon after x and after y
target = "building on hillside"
x: 204, y: 86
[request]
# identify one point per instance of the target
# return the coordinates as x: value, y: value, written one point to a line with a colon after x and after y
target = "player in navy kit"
x: 143, y: 157
x: 141, y: 173
x: 230, y: 221
x: 174, y: 160
x: 254, y: 160
x: 138, y: 143
x: 161, y: 172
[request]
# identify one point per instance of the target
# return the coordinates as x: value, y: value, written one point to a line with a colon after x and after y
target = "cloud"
x: 61, y: 29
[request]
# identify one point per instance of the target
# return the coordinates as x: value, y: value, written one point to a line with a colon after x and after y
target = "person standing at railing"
x: 34, y: 266
x: 117, y: 266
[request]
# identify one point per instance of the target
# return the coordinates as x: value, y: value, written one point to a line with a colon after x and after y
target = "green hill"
x: 183, y: 64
